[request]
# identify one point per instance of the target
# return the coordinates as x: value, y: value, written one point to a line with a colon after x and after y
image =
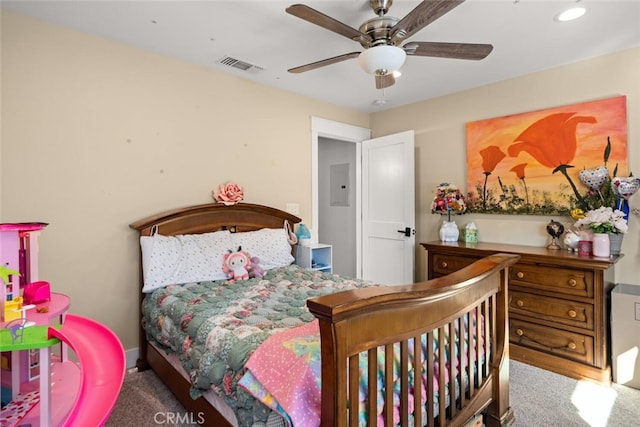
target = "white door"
x: 388, y: 209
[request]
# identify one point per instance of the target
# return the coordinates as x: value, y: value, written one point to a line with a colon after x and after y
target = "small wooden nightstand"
x: 316, y: 257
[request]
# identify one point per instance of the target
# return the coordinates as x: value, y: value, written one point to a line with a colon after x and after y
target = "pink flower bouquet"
x: 229, y: 193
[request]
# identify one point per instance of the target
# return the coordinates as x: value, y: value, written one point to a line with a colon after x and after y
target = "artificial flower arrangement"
x: 229, y: 193
x: 448, y: 200
x: 604, y: 207
x: 604, y: 220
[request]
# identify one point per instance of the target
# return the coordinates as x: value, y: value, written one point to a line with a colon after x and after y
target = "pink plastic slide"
x: 102, y: 368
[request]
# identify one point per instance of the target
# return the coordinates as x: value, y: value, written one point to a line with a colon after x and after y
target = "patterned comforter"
x: 215, y: 326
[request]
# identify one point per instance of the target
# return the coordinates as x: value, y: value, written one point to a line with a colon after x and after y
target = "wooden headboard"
x: 213, y: 217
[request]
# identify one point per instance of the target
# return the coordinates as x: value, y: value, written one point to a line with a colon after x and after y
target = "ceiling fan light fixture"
x: 384, y: 57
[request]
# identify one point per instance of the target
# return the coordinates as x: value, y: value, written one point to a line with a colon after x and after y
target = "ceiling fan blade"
x: 421, y: 16
x: 311, y: 15
x: 472, y: 51
x: 385, y: 80
x: 324, y: 62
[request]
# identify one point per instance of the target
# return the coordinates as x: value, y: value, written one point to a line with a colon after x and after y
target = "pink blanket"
x: 287, y: 364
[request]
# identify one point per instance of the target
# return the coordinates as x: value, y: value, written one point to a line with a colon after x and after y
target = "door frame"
x: 349, y: 134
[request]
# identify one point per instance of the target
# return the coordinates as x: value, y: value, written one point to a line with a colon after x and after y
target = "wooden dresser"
x: 559, y: 304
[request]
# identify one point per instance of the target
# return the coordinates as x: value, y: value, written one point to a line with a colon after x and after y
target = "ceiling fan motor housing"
x: 379, y: 30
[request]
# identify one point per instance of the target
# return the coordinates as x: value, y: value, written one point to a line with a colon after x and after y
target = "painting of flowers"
x: 531, y: 163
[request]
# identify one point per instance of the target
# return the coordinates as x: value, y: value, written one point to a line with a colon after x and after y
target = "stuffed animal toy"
x: 256, y: 270
x: 236, y: 265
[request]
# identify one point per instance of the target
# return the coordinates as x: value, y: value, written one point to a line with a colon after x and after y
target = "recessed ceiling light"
x: 571, y: 14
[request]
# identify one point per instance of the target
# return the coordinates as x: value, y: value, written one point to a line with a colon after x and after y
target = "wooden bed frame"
x: 362, y: 320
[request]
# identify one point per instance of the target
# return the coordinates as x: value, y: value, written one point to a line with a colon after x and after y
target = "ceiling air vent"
x: 240, y: 65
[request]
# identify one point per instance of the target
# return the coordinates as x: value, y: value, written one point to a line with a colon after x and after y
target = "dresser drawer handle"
x: 520, y: 303
x: 519, y: 332
x: 572, y: 313
x: 572, y: 346
x: 573, y: 283
x: 520, y: 274
x: 444, y: 264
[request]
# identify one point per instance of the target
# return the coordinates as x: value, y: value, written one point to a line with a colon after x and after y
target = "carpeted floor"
x: 539, y: 399
x: 542, y: 398
x: 145, y: 401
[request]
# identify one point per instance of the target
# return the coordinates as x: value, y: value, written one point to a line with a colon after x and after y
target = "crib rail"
x: 439, y: 345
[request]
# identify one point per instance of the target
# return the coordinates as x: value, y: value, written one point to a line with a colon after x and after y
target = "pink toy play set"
x: 35, y: 334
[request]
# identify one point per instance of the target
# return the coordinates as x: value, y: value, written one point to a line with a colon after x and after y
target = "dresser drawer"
x: 563, y: 343
x: 557, y: 280
x: 555, y: 310
x: 445, y: 264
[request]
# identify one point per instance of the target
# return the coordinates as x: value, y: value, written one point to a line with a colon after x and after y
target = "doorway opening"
x: 384, y: 199
x: 337, y: 222
x: 336, y: 216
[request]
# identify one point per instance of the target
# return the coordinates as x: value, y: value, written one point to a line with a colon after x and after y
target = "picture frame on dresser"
x: 559, y: 304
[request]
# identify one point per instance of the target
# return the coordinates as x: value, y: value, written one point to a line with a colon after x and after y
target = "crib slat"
x: 388, y: 384
x: 486, y: 338
x: 442, y: 367
x: 354, y: 376
x: 429, y: 380
x: 462, y: 360
x: 470, y: 351
x: 452, y: 367
x: 404, y: 382
x: 494, y: 319
x: 417, y: 381
x: 478, y: 360
x: 372, y: 385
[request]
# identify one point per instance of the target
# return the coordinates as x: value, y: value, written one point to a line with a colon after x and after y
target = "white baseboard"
x: 131, y: 357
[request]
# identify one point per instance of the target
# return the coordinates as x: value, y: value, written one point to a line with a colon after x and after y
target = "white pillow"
x: 174, y: 260
x: 271, y: 245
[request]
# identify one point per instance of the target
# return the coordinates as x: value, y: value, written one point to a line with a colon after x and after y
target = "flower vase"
x: 601, y: 245
x: 615, y: 243
x: 449, y: 231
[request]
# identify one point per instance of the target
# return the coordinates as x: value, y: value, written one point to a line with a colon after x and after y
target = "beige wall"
x: 96, y: 135
x: 439, y: 126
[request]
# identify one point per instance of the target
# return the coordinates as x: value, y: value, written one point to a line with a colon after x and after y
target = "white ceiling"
x: 525, y: 36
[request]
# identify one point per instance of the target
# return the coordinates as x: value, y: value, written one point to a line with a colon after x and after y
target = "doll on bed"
x: 239, y: 265
x: 236, y: 264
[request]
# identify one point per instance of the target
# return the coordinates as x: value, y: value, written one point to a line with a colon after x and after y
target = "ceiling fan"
x: 382, y: 35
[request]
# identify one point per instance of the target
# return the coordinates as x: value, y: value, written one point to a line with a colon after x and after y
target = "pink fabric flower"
x: 229, y: 193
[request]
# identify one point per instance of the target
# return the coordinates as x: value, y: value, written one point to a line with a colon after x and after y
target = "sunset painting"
x: 529, y: 163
